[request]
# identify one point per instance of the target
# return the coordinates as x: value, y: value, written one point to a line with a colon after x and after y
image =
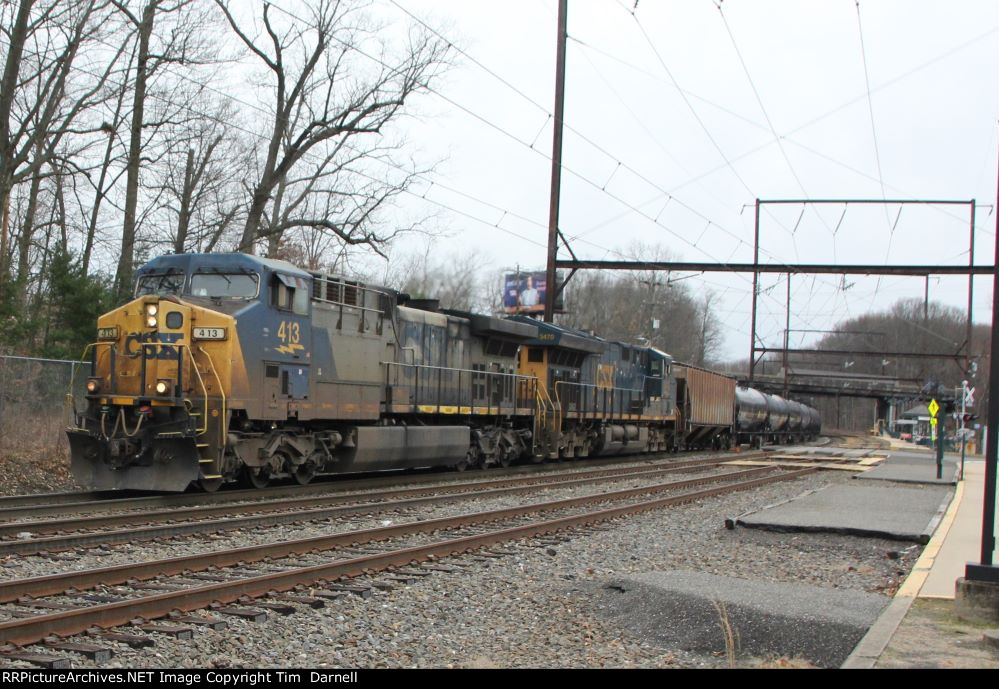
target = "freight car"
x: 763, y: 418
x: 229, y: 366
x: 706, y: 408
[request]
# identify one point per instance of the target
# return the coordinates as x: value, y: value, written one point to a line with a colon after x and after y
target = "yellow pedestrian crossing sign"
x: 933, y: 422
x: 933, y: 409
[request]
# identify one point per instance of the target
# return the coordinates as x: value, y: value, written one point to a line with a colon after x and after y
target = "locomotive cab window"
x: 160, y: 283
x: 290, y: 294
x: 221, y: 285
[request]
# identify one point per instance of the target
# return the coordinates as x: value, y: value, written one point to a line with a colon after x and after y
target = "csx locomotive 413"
x: 228, y: 367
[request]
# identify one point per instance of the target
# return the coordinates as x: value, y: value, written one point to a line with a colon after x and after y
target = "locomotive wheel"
x: 503, y: 457
x: 304, y: 473
x: 471, y: 458
x: 210, y: 485
x: 257, y: 477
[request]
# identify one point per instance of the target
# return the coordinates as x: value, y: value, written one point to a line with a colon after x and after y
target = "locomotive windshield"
x: 160, y: 283
x: 224, y: 285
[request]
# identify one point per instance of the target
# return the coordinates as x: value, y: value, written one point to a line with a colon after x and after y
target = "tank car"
x: 751, y: 416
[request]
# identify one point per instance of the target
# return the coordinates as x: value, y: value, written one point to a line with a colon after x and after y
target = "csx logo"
x: 134, y: 342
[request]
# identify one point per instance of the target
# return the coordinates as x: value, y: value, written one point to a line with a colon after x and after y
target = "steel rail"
x: 70, y: 622
x: 282, y: 504
x: 34, y: 499
x: 47, y: 585
x: 22, y: 506
x: 129, y: 535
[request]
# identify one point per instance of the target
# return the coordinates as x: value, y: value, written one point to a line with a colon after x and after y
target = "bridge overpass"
x: 842, y: 384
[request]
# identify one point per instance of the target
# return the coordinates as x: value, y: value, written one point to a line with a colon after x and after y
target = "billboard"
x: 524, y: 292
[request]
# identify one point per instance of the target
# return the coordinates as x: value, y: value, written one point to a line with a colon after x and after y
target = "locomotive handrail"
x: 597, y: 388
x: 463, y: 370
x: 70, y: 397
x: 349, y: 306
x: 557, y: 407
x: 223, y: 419
x: 543, y: 402
x: 180, y: 367
x: 440, y: 370
x: 342, y: 284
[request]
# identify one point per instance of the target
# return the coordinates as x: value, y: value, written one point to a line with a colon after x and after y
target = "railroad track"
x: 249, y: 581
x: 23, y: 538
x: 20, y: 507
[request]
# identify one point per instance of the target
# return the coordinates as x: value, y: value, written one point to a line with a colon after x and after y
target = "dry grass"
x: 34, y: 453
x: 729, y: 634
x: 784, y: 663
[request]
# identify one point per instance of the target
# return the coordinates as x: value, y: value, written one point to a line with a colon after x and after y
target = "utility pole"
x: 926, y: 302
x: 550, y: 279
x: 964, y: 407
x: 787, y: 333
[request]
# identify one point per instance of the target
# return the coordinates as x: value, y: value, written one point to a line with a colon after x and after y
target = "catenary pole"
x: 550, y: 286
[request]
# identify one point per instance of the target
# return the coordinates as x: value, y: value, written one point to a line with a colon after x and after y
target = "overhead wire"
x: 619, y: 163
x: 877, y: 148
x: 572, y: 172
x: 529, y: 145
x: 766, y: 116
x: 700, y: 121
x: 787, y: 136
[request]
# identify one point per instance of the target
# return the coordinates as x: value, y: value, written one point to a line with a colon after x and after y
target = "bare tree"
x: 653, y: 307
x: 335, y: 87
x: 40, y: 104
x: 183, y: 41
x: 457, y: 279
x: 709, y: 338
x: 200, y: 176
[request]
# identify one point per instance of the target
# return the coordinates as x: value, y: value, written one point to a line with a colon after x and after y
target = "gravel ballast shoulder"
x: 713, y: 614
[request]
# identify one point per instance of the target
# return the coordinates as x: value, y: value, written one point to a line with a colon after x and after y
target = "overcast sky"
x: 682, y: 113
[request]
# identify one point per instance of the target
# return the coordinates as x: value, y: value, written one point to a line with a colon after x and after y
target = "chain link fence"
x: 34, y: 410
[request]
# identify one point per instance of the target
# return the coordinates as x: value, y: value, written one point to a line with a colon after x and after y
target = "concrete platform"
x: 686, y: 609
x: 961, y: 542
x: 914, y: 467
x: 905, y: 513
x: 824, y: 452
x: 913, y: 633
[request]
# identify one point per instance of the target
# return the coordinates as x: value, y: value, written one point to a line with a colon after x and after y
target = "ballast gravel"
x: 22, y: 566
x: 535, y: 606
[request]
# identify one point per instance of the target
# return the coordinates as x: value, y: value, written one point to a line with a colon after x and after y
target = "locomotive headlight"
x: 162, y: 386
x: 152, y: 309
x: 93, y: 385
x: 151, y: 321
